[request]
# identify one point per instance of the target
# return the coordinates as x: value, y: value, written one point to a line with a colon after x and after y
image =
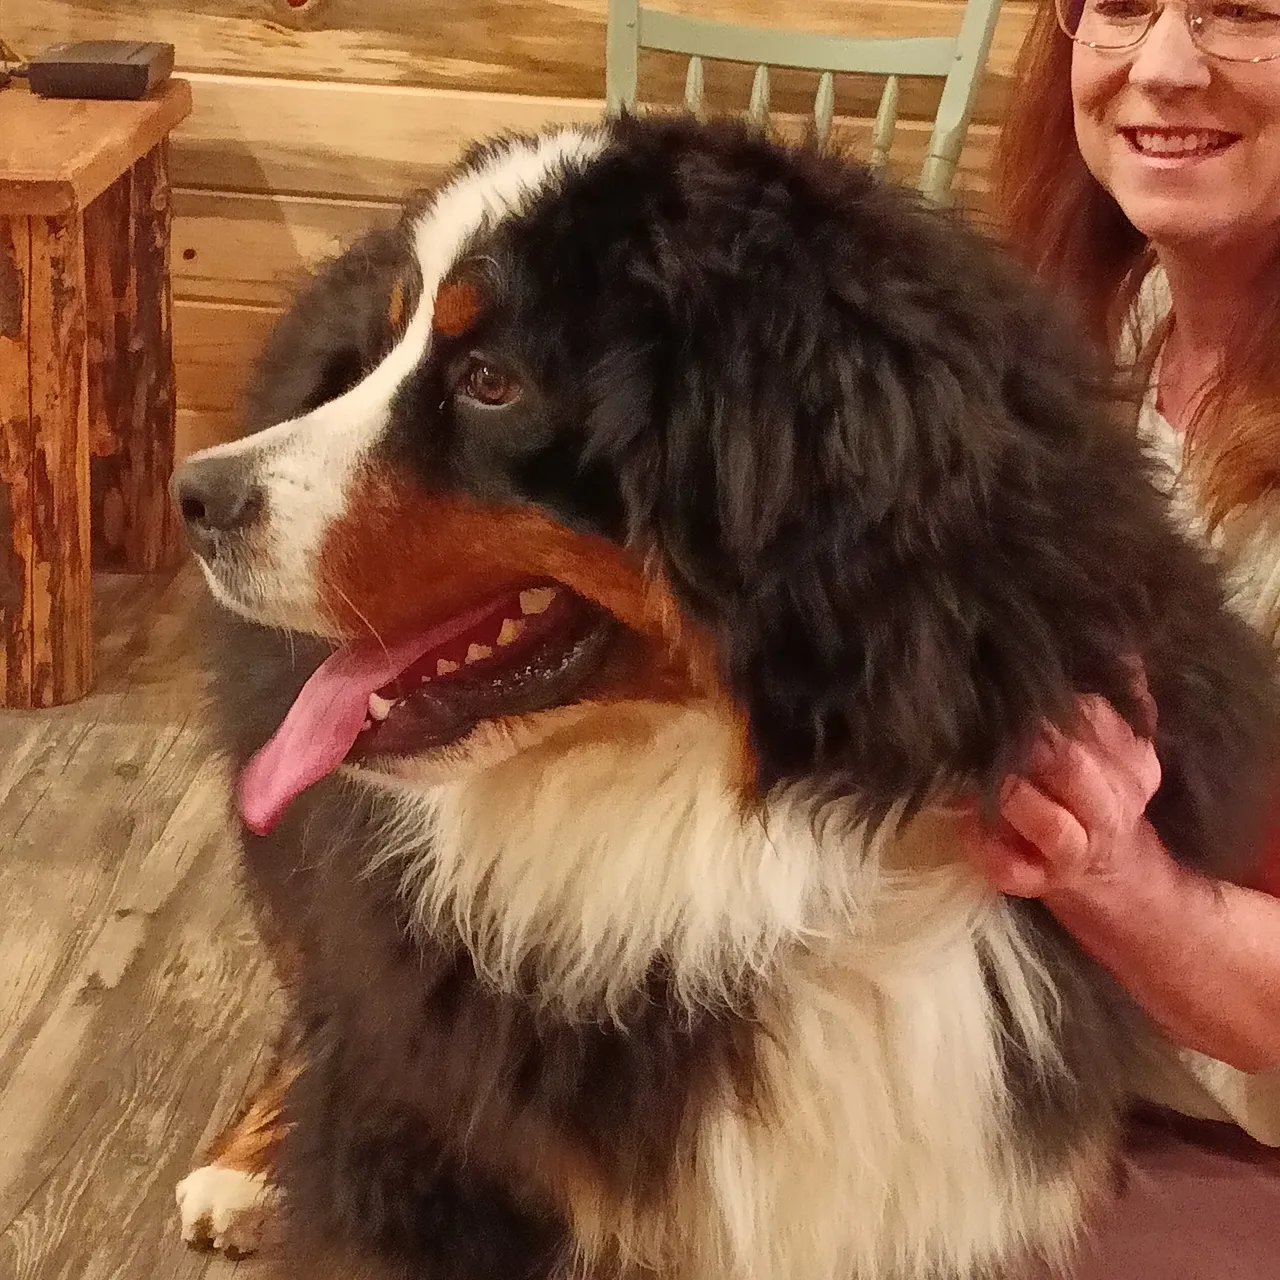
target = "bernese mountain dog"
x: 645, y: 560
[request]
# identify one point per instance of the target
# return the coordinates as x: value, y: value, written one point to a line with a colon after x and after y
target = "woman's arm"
x: 1201, y: 956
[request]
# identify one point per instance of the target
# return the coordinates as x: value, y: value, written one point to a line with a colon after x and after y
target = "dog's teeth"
x: 425, y: 680
x: 379, y: 707
x: 368, y: 724
x: 477, y: 652
x: 511, y: 629
x: 446, y: 668
x: 536, y: 600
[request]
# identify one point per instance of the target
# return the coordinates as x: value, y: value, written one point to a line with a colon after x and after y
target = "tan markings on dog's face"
x: 396, y: 305
x: 402, y: 300
x: 457, y: 308
x: 399, y: 558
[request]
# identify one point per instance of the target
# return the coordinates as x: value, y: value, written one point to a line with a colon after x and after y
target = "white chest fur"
x: 886, y: 1150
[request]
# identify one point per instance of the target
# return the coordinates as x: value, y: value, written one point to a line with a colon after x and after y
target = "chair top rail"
x: 735, y: 42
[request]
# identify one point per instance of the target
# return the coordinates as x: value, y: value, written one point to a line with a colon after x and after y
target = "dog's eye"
x: 485, y: 383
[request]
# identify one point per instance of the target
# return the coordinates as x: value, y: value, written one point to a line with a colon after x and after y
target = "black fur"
x: 881, y: 468
x: 886, y: 474
x: 355, y: 1163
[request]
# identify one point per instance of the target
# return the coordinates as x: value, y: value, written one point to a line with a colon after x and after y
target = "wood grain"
x: 17, y: 538
x: 350, y: 140
x: 214, y: 345
x: 57, y: 155
x: 61, y: 647
x: 137, y: 1010
x: 540, y: 47
x: 200, y: 429
x: 131, y: 376
x: 257, y: 249
x: 308, y: 118
x: 377, y: 141
x: 309, y: 122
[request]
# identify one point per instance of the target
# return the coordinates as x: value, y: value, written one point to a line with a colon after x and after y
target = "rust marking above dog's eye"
x: 457, y: 308
x: 396, y: 304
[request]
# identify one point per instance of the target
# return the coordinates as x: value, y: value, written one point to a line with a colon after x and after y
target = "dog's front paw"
x: 225, y: 1209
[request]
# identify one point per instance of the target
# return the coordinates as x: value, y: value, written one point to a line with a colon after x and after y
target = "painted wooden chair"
x: 957, y: 60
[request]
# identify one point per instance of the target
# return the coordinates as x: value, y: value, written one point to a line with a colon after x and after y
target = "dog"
x: 645, y: 561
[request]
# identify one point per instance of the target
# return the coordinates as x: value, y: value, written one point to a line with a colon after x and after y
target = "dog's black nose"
x: 217, y: 496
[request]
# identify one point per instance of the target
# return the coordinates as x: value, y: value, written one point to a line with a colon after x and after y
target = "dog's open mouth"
x: 517, y: 653
x: 532, y: 651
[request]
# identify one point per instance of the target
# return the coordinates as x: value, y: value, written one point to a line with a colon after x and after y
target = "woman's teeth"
x: 1160, y: 142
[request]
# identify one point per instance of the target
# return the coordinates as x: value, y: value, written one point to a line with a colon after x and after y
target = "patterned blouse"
x: 1249, y: 543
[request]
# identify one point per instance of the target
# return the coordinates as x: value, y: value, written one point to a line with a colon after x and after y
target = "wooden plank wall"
x: 313, y: 116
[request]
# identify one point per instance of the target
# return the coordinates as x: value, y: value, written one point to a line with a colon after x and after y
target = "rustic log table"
x: 86, y: 372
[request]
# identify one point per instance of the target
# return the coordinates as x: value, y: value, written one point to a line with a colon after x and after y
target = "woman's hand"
x: 1077, y: 814
x: 1201, y: 956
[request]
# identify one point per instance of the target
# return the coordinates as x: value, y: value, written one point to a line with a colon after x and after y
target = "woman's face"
x: 1187, y: 144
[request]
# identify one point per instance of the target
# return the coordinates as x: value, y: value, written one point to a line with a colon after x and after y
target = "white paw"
x: 225, y: 1209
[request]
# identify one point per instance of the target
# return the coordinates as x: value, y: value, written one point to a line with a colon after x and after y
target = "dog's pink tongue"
x: 321, y: 727
x: 326, y: 718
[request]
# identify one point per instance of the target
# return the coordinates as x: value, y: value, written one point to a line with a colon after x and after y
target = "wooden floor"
x: 134, y: 1004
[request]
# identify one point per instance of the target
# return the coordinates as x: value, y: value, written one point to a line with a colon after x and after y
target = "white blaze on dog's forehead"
x: 536, y: 600
x: 306, y: 465
x: 480, y: 198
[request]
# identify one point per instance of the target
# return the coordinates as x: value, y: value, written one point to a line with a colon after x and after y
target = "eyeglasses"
x: 1233, y: 30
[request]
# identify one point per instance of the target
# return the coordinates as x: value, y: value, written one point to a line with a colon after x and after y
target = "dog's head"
x: 667, y: 411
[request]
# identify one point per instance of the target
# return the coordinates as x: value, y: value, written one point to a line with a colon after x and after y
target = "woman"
x: 1139, y: 174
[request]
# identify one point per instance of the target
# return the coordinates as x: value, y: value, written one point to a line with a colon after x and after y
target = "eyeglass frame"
x: 1192, y: 18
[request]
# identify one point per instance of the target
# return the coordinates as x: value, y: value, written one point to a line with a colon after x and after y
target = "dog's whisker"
x: 373, y: 631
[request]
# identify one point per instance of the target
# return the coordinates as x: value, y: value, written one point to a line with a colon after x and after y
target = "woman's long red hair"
x: 1066, y: 227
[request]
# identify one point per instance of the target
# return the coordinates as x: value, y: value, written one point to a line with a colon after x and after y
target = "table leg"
x: 45, y: 584
x: 16, y: 449
x: 131, y: 394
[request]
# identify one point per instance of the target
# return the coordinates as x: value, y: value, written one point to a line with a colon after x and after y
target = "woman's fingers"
x: 1105, y: 777
x: 1142, y: 690
x: 1074, y: 811
x: 1008, y: 862
x: 1071, y: 816
x: 1057, y: 843
x: 1128, y: 757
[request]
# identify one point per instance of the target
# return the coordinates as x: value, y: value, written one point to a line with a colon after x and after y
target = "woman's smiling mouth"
x: 1177, y: 144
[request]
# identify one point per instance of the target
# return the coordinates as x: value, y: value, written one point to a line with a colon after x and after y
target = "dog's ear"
x: 866, y: 495
x: 342, y: 321
x: 812, y: 501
